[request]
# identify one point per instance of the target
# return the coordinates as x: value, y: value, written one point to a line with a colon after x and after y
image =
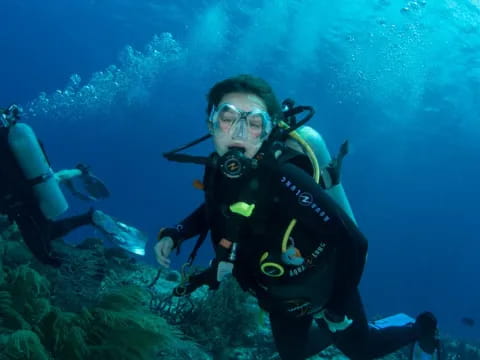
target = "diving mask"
x: 252, y: 126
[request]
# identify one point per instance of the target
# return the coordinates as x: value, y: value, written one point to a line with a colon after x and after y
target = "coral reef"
x: 102, y: 304
x: 86, y: 309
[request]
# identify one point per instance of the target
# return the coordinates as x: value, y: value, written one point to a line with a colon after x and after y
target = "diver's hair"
x: 245, y: 83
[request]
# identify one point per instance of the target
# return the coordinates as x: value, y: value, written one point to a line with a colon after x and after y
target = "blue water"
x: 116, y: 83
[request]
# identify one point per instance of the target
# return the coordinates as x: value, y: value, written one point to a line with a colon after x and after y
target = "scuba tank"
x: 30, y: 158
x: 307, y: 140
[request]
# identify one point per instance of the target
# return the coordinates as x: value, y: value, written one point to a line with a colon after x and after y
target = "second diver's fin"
x: 120, y: 234
x: 95, y: 187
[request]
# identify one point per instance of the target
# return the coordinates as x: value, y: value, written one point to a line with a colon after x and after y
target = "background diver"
x: 31, y: 197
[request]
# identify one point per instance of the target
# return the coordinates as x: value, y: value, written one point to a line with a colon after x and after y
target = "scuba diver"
x: 276, y: 228
x: 30, y: 194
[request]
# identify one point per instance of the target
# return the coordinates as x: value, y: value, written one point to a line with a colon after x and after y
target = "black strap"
x: 40, y: 179
x: 198, y: 244
x: 184, y: 158
x: 174, y: 155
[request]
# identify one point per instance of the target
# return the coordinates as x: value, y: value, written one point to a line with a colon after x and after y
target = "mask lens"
x: 258, y: 123
x: 226, y: 116
x: 253, y: 125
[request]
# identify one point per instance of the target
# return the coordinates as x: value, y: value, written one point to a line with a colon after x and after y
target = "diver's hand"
x: 334, y: 322
x: 162, y: 249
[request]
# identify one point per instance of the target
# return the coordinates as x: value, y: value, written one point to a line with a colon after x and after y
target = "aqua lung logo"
x: 297, y: 270
x: 305, y: 198
x: 308, y: 261
x: 232, y: 165
x: 233, y: 168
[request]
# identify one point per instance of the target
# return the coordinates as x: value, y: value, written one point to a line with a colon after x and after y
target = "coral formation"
x: 102, y: 304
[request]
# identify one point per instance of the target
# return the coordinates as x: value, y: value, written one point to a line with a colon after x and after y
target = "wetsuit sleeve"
x: 306, y: 201
x: 194, y: 224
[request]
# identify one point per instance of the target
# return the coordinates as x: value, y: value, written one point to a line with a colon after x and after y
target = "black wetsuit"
x: 331, y: 246
x: 19, y: 203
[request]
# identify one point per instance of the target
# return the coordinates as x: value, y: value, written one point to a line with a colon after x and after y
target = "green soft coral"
x: 26, y: 283
x: 117, y: 328
x: 2, y: 271
x: 24, y: 345
x: 120, y: 329
x: 63, y: 334
x: 11, y: 319
x: 36, y: 309
x: 111, y: 322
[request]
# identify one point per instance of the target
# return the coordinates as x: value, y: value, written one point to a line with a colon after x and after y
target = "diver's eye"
x: 227, y: 116
x: 255, y: 122
x: 257, y: 125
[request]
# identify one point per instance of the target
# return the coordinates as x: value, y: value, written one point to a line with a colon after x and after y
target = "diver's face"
x: 240, y: 121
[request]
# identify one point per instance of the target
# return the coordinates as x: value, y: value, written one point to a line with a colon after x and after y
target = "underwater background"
x: 116, y: 83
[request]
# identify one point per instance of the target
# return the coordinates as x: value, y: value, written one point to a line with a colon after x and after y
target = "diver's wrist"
x: 172, y: 233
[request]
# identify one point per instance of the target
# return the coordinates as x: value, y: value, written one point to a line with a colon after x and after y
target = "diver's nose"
x: 239, y: 130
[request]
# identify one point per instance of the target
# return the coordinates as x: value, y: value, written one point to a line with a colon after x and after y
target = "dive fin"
x: 71, y: 187
x: 95, y: 187
x: 120, y: 234
x: 399, y: 319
